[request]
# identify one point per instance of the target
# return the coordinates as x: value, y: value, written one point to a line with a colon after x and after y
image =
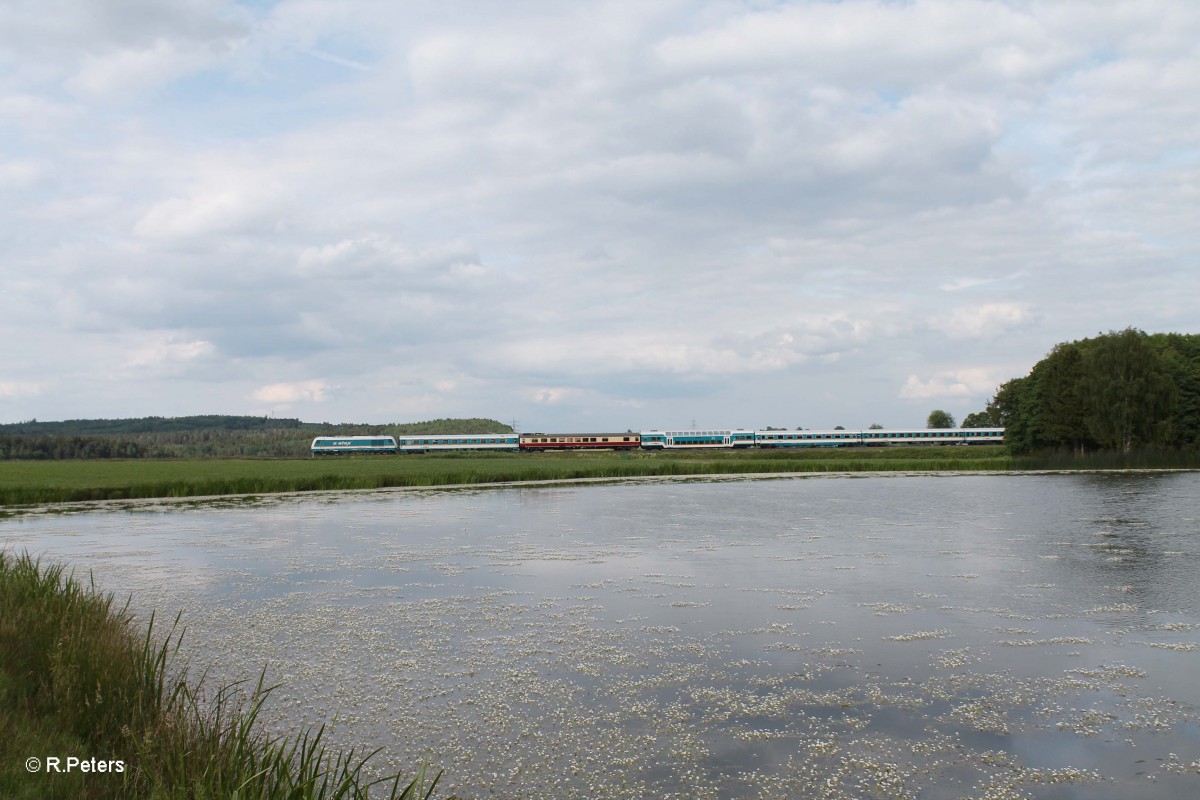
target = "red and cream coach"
x: 580, y: 441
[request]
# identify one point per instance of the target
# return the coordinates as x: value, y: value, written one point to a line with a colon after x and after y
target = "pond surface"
x: 869, y: 637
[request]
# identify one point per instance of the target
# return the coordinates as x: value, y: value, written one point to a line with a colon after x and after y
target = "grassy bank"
x: 1144, y: 458
x: 38, y: 482
x: 79, y: 679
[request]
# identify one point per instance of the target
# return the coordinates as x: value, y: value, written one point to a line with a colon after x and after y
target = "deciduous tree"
x: 940, y: 419
x: 1128, y: 390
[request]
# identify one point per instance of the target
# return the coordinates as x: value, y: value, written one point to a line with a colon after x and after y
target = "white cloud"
x: 687, y: 352
x: 967, y: 282
x: 971, y: 383
x: 125, y: 73
x: 18, y: 174
x: 169, y: 352
x: 986, y: 320
x: 22, y: 389
x: 117, y: 48
x: 375, y: 254
x: 554, y: 395
x: 311, y: 391
x: 875, y: 42
x: 221, y: 211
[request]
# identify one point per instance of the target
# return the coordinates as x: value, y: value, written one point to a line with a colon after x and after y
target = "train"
x: 691, y: 439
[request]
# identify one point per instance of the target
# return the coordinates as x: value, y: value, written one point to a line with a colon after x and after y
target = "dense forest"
x: 1121, y: 391
x: 194, y: 437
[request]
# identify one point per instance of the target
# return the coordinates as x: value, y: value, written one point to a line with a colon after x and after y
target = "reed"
x: 77, y: 678
x: 34, y: 483
x: 1142, y: 458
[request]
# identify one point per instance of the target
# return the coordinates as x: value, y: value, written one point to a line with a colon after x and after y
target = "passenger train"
x: 653, y: 440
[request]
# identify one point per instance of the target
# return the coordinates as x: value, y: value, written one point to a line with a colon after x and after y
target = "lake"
x: 968, y: 636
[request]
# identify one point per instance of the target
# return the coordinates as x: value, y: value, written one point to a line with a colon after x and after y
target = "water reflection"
x: 1001, y: 636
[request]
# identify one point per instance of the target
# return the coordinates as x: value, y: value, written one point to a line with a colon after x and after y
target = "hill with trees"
x: 200, y: 436
x: 1120, y: 392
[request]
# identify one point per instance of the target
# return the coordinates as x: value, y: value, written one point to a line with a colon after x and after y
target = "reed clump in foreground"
x: 77, y: 680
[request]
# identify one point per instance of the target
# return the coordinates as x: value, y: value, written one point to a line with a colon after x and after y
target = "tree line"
x: 200, y: 437
x: 1120, y: 391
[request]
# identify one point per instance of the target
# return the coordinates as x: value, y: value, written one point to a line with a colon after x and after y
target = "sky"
x: 584, y: 216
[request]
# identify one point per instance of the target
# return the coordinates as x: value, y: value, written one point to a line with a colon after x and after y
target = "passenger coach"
x: 659, y: 440
x: 580, y: 441
x: 428, y: 443
x: 878, y: 438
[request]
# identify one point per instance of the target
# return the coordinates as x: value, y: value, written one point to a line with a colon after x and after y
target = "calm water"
x: 891, y: 637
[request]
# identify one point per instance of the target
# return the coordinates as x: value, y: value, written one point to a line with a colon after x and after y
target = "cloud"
x: 377, y: 255
x: 22, y: 389
x: 119, y: 48
x: 691, y: 207
x: 169, y: 351
x: 311, y: 391
x: 870, y: 43
x: 554, y: 395
x: 341, y: 61
x: 684, y: 353
x: 19, y: 174
x: 987, y: 320
x: 231, y: 209
x: 972, y: 283
x: 128, y: 72
x: 971, y: 383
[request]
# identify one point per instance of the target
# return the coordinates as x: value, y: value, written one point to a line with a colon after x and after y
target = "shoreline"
x: 154, y: 503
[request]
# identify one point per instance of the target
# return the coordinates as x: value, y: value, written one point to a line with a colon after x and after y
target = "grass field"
x: 39, y: 482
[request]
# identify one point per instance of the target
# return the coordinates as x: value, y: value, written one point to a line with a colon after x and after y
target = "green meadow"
x: 25, y: 483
